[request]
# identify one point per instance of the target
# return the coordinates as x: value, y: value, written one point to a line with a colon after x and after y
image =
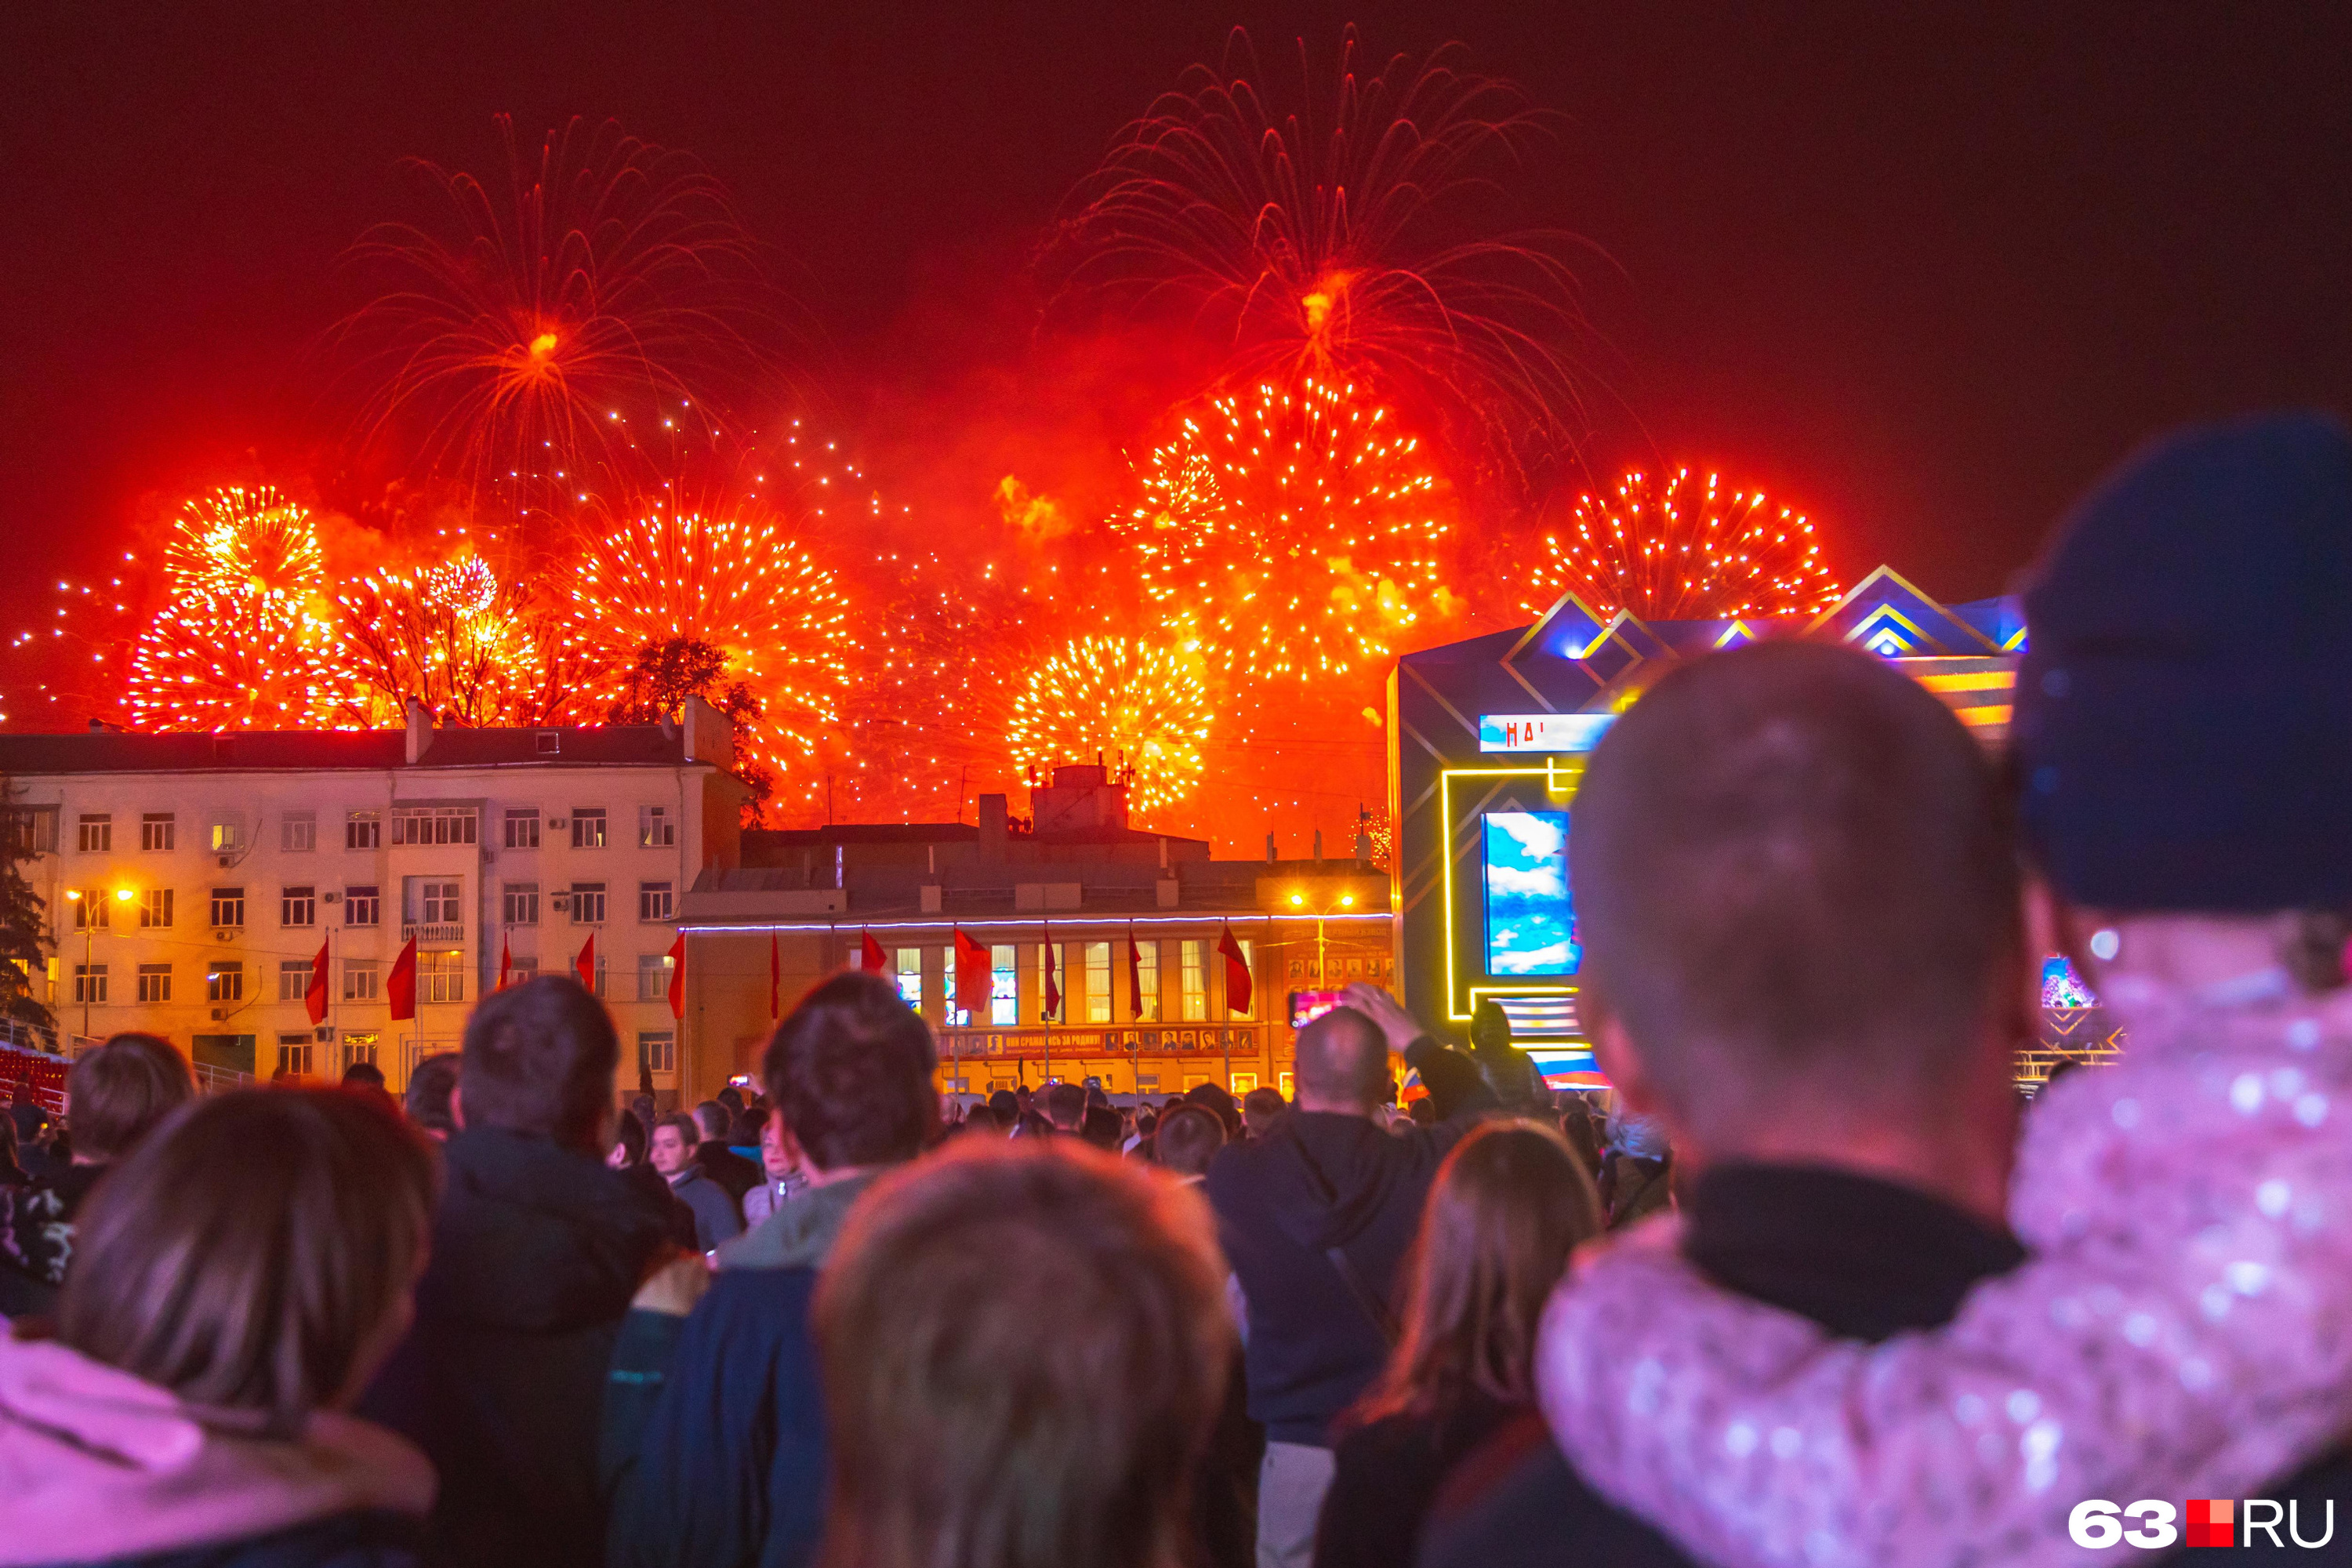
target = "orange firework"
x: 1144, y: 710
x: 1681, y: 548
x: 456, y: 638
x: 1349, y: 237
x: 237, y: 660
x: 1292, y: 535
x: 246, y: 540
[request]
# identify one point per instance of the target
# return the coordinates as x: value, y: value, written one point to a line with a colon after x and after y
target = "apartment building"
x: 192, y: 880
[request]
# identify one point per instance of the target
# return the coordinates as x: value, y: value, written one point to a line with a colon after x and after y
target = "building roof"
x: 858, y: 833
x: 311, y: 751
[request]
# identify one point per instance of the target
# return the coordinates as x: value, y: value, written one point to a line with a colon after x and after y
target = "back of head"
x: 714, y: 1119
x: 1490, y: 1026
x: 1260, y: 1107
x: 976, y: 1308
x: 427, y: 1100
x: 744, y: 1130
x: 1509, y: 1205
x: 1187, y: 1139
x: 731, y: 1098
x: 253, y: 1251
x: 117, y: 1092
x: 1343, y: 1062
x: 1218, y: 1101
x: 538, y: 1057
x: 630, y: 1134
x: 1065, y: 1106
x: 1004, y: 1108
x: 850, y: 1071
x: 1794, y: 871
x: 1100, y: 1127
x: 363, y: 1075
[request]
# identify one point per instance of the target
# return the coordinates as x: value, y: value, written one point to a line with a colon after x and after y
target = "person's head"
x: 733, y: 1099
x: 647, y: 1112
x: 538, y: 1058
x: 977, y: 1307
x: 1100, y: 1127
x: 1509, y: 1205
x: 1342, y: 1063
x: 775, y: 1160
x: 1576, y: 1126
x: 1259, y: 1108
x: 743, y: 1128
x: 256, y: 1252
x: 711, y: 1120
x: 117, y: 1092
x: 1187, y: 1139
x: 671, y: 1145
x: 1219, y: 1101
x: 848, y: 1076
x: 1066, y: 1107
x: 1004, y: 1108
x: 427, y: 1100
x: 1799, y: 896
x: 363, y: 1075
x: 1490, y: 1026
x: 628, y: 1141
x: 1147, y: 1124
x: 1024, y: 1097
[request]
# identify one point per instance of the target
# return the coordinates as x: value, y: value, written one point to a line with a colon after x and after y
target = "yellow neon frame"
x: 1556, y: 787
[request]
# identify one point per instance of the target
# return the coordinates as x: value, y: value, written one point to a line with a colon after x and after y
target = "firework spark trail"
x: 1144, y: 706
x: 1677, y: 547
x: 456, y: 638
x: 240, y: 539
x: 237, y: 660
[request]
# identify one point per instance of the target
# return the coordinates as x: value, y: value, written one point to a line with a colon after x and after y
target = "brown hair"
x: 850, y: 1070
x: 1024, y: 1346
x: 1793, y: 862
x: 117, y: 1092
x: 1510, y: 1203
x: 538, y: 1057
x: 255, y: 1252
x: 689, y: 1130
x: 1187, y: 1139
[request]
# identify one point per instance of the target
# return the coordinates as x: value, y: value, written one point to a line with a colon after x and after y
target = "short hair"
x: 1342, y: 1058
x: 1187, y: 1139
x: 1789, y: 860
x: 1261, y: 1106
x: 117, y: 1092
x: 850, y: 1071
x: 731, y: 1098
x: 685, y: 1127
x: 253, y: 1251
x: 427, y: 1099
x: 968, y: 1323
x: 1005, y: 1107
x: 715, y: 1121
x: 364, y: 1072
x: 1066, y: 1105
x: 539, y: 1058
x: 630, y: 1134
x: 1100, y: 1127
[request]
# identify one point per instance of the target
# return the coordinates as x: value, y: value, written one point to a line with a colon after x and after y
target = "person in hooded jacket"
x: 1509, y: 1072
x: 536, y: 1251
x: 236, y: 1279
x: 1317, y: 1217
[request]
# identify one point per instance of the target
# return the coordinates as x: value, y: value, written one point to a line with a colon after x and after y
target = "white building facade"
x: 191, y: 881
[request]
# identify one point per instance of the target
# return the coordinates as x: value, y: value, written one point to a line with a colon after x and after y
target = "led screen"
x: 1531, y: 921
x: 2061, y: 988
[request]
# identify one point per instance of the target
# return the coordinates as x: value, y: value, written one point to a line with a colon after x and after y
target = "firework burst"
x: 1144, y: 708
x: 237, y: 660
x: 456, y: 638
x: 1351, y: 238
x: 1679, y: 547
x: 246, y: 540
x: 1291, y: 535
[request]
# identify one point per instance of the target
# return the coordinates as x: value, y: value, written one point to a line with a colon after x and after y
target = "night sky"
x: 1922, y: 275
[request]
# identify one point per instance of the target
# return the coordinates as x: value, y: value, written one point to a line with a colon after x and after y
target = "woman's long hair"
x: 1509, y: 1205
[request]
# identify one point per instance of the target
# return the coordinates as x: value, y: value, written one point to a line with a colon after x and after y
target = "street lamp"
x: 1346, y: 902
x: 88, y: 928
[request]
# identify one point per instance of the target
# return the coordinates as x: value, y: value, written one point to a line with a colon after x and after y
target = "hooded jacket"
x: 536, y: 1251
x: 1322, y: 1183
x: 97, y: 1466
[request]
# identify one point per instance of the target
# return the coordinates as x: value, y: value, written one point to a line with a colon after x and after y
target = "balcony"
x: 426, y: 935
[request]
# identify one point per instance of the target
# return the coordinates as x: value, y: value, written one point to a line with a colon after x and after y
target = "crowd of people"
x: 1813, y: 1284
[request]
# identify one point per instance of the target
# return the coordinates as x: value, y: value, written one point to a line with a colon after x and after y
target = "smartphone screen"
x: 1305, y: 1007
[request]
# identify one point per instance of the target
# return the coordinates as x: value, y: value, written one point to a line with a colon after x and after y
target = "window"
x: 658, y: 1051
x: 522, y: 829
x: 294, y: 1055
x: 93, y: 911
x: 433, y: 901
x: 34, y: 830
x: 907, y: 969
x: 155, y: 910
x: 229, y: 836
x: 440, y: 977
x: 434, y: 824
x: 298, y: 906
x: 1193, y: 1004
x: 522, y: 969
x: 1098, y: 982
x: 1058, y: 956
x: 597, y: 987
x: 293, y: 979
x: 1146, y: 980
x: 363, y: 830
x: 360, y: 979
x: 520, y: 905
x: 358, y: 1048
x: 158, y: 830
x: 223, y: 980
x: 587, y: 827
x: 587, y: 903
x: 656, y: 828
x: 228, y: 908
x: 653, y: 970
x: 656, y: 901
x: 297, y: 832
x: 154, y: 982
x: 362, y: 907
x: 89, y: 983
x: 96, y: 834
x: 1003, y: 986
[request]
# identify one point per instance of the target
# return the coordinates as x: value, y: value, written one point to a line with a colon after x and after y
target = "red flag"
x: 1237, y: 974
x: 400, y: 990
x: 506, y: 960
x: 678, y: 977
x: 315, y: 998
x: 1053, y: 991
x: 971, y: 979
x: 1134, y: 977
x: 775, y: 980
x: 584, y: 965
x: 869, y: 955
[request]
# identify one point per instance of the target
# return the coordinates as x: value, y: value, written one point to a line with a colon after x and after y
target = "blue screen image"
x: 1530, y: 920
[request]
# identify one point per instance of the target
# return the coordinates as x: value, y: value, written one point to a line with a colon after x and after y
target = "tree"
x: 21, y: 925
x: 670, y: 671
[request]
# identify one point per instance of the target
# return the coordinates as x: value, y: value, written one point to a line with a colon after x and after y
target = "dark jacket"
x: 1519, y: 1084
x: 37, y: 1233
x: 731, y: 1171
x: 717, y: 1216
x: 536, y: 1252
x: 1387, y: 1473
x: 369, y: 1539
x: 1322, y: 1183
x: 713, y: 1452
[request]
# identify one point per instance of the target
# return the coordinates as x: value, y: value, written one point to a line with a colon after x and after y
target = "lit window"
x: 1146, y: 980
x: 653, y: 970
x: 440, y: 977
x: 1098, y: 982
x: 656, y: 828
x: 1060, y: 979
x: 906, y: 965
x: 229, y: 837
x: 1193, y: 994
x: 1003, y: 986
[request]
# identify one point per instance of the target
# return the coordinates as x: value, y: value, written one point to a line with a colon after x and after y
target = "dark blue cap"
x: 2184, y: 711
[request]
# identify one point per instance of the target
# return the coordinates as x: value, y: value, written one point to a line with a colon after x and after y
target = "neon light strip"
x: 1025, y: 921
x: 1975, y: 680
